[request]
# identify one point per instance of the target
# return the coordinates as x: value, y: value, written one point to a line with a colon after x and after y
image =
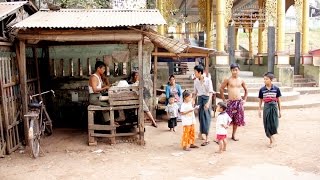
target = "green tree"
x: 88, y: 4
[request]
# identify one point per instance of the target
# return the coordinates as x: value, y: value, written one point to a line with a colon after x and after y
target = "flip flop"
x: 234, y: 139
x: 193, y: 146
x: 204, y: 143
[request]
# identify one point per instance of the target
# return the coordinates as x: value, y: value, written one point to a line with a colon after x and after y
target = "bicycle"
x: 39, y: 122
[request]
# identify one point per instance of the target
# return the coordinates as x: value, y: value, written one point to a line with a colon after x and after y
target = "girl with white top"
x: 223, y: 120
x: 188, y: 120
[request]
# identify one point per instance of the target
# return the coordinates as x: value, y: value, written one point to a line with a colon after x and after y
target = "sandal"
x: 186, y: 149
x: 154, y: 125
x: 193, y: 146
x: 205, y: 143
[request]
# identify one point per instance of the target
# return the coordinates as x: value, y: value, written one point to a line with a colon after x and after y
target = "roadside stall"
x: 67, y: 51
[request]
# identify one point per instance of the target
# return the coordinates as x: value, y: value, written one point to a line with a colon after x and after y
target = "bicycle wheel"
x: 48, y: 127
x: 34, y: 140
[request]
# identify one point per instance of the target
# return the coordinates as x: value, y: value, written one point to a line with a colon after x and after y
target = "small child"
x: 223, y: 120
x: 172, y: 111
x: 188, y: 122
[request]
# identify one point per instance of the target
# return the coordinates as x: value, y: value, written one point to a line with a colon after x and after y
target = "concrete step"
x: 306, y: 84
x: 260, y: 84
x: 255, y: 79
x: 307, y: 90
x: 182, y: 76
x: 245, y: 73
x: 301, y: 80
x: 253, y: 97
x: 253, y: 90
x: 186, y: 81
x: 297, y: 76
x: 304, y: 101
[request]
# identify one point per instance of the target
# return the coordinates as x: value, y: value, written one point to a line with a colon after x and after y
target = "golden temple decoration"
x: 271, y: 13
x: 202, y: 4
x: 298, y: 7
x: 228, y: 13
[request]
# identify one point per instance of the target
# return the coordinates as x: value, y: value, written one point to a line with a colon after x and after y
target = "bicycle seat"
x: 34, y: 105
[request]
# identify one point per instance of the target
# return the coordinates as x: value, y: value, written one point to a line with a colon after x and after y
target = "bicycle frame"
x: 42, y: 94
x: 39, y: 121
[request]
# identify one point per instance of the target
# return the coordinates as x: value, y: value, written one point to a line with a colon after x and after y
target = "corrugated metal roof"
x: 93, y: 18
x: 6, y: 8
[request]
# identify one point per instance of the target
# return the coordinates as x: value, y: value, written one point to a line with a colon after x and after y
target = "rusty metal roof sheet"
x: 7, y: 8
x: 91, y: 18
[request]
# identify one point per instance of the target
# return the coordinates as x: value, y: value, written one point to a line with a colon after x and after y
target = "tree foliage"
x: 87, y: 4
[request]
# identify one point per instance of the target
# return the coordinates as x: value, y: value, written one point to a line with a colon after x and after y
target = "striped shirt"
x: 269, y: 95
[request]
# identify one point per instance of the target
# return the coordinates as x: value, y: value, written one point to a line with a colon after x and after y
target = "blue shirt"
x: 269, y: 95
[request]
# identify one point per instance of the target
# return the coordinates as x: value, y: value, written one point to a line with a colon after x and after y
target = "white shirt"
x: 99, y: 85
x: 172, y: 110
x: 187, y: 119
x: 203, y: 88
x: 223, y: 118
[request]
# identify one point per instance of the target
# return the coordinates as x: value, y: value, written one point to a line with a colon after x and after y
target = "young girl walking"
x: 188, y: 122
x: 270, y: 95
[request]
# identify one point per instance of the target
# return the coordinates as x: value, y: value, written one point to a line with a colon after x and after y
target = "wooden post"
x: 91, y: 138
x: 155, y: 77
x: 207, y: 65
x: 35, y: 56
x: 21, y: 56
x: 141, y: 113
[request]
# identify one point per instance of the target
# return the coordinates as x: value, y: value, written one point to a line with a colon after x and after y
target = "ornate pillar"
x: 208, y: 24
x: 305, y: 27
x: 281, y: 12
x: 261, y: 44
x: 250, y: 44
x: 282, y: 69
x: 160, y: 7
x: 220, y: 25
x: 236, y: 39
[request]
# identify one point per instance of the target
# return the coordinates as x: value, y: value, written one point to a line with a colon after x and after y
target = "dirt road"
x: 67, y: 156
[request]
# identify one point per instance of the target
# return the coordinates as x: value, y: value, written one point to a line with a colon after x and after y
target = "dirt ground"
x: 67, y: 155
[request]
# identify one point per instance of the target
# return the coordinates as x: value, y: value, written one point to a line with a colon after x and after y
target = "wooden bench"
x: 119, y: 99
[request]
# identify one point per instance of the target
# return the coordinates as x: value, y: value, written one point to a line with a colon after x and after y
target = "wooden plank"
x: 2, y: 142
x: 89, y: 66
x: 124, y: 103
x: 168, y: 54
x: 71, y: 73
x: 124, y: 95
x: 155, y: 77
x: 207, y: 66
x: 141, y: 114
x: 35, y: 56
x: 82, y: 36
x: 100, y: 108
x: 21, y: 56
x: 114, y: 89
x: 80, y: 67
x: 32, y: 80
x: 91, y: 139
x: 101, y: 127
x: 113, y: 132
x: 62, y: 67
x: 52, y: 68
x: 111, y: 136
